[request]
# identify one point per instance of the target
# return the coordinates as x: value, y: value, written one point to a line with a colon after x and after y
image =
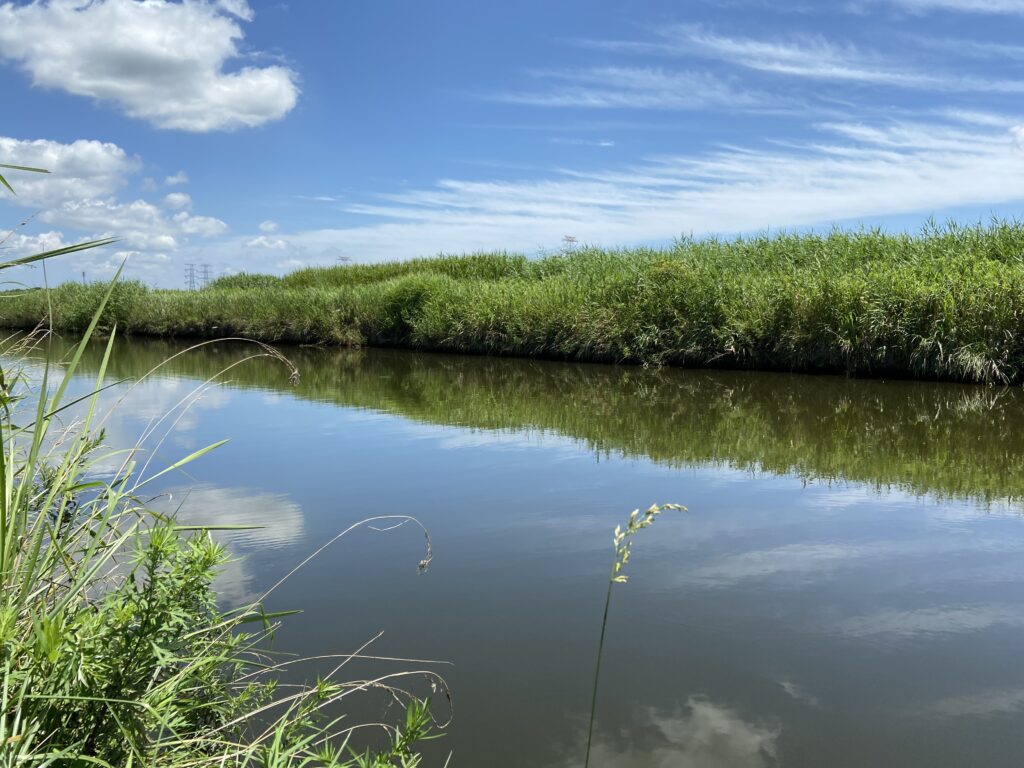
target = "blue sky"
x: 265, y: 136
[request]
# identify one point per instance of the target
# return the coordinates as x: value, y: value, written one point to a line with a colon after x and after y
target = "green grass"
x: 947, y: 303
x: 114, y: 650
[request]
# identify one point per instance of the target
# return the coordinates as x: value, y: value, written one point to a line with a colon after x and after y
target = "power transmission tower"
x: 204, y: 274
x: 190, y: 276
x: 343, y: 260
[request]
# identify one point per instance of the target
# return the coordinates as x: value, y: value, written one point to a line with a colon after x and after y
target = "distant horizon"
x: 284, y: 136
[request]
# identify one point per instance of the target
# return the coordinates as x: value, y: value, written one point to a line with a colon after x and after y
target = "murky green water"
x: 847, y: 588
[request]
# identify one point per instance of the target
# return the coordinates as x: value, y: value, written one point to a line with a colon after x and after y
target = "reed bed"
x: 946, y: 303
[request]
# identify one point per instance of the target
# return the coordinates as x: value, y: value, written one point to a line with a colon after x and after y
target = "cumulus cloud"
x: 161, y: 61
x: 16, y: 244
x: 81, y: 169
x: 272, y: 243
x: 178, y: 200
x: 177, y: 179
x: 80, y: 200
x: 268, y: 227
x: 204, y: 226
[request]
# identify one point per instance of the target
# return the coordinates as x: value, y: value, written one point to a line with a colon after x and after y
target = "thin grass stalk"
x: 622, y: 541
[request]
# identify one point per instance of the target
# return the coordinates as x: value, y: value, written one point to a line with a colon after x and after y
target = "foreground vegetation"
x: 113, y: 648
x: 947, y: 303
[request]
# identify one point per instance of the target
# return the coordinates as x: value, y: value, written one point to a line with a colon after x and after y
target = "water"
x: 846, y: 589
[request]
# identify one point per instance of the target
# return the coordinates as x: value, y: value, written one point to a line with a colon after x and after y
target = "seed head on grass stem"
x: 623, y: 538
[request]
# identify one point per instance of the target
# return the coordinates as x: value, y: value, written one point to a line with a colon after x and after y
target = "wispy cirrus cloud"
x: 850, y: 171
x: 639, y: 88
x: 961, y: 6
x: 971, y: 49
x: 842, y: 171
x: 809, y: 57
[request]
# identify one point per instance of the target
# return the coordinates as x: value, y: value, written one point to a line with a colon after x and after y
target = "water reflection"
x: 271, y: 520
x: 700, y: 735
x: 979, y: 705
x: 840, y: 594
x: 940, y: 439
x: 922, y: 622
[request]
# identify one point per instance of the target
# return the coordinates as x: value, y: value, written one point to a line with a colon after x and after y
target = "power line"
x: 190, y: 276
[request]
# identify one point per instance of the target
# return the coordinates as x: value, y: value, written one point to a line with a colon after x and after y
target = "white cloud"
x: 268, y: 227
x: 239, y: 8
x: 178, y: 200
x: 272, y: 243
x: 78, y: 170
x: 13, y: 244
x: 177, y: 179
x: 604, y: 143
x: 639, y: 88
x: 78, y: 200
x: 844, y: 171
x: 963, y: 6
x: 853, y: 171
x: 807, y: 57
x: 160, y: 61
x: 203, y: 226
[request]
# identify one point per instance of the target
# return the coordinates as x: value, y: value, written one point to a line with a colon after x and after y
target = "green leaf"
x: 18, y: 168
x: 23, y: 168
x: 182, y: 462
x: 56, y: 252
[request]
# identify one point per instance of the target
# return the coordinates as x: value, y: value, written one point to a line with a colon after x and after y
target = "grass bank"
x: 947, y: 303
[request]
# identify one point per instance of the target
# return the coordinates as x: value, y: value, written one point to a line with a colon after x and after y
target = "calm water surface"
x: 847, y: 588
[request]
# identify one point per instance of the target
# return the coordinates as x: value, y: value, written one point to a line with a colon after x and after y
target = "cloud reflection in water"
x: 701, y: 735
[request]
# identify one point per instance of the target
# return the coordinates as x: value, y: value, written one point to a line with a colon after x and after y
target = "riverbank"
x: 945, y: 304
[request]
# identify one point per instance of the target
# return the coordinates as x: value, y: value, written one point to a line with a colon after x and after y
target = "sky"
x: 257, y: 136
